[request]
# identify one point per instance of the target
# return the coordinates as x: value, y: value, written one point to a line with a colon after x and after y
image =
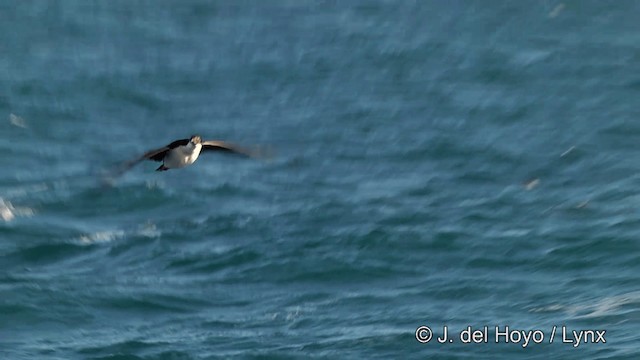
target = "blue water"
x: 436, y: 164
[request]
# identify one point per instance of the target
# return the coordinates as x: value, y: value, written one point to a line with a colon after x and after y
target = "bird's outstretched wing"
x: 215, y: 145
x: 158, y: 154
x: 155, y: 155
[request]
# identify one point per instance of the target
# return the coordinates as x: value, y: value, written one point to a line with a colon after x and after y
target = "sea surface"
x: 434, y: 163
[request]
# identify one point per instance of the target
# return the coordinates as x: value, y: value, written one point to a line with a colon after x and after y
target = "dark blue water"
x: 436, y: 164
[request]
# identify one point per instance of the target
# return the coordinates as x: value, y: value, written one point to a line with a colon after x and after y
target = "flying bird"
x: 185, y: 152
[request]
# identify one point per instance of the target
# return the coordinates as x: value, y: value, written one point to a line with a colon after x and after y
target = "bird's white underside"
x: 182, y: 156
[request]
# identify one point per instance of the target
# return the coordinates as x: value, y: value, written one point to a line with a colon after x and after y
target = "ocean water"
x: 437, y: 163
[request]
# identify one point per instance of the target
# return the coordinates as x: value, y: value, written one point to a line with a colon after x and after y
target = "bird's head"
x: 195, y: 139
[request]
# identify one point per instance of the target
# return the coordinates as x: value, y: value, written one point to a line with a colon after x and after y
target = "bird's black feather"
x: 177, y: 143
x: 159, y: 154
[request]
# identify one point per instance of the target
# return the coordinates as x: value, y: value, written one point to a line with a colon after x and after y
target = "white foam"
x: 556, y: 10
x: 17, y: 121
x: 6, y: 210
x: 149, y: 230
x: 100, y: 237
x: 9, y: 212
x: 607, y: 306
